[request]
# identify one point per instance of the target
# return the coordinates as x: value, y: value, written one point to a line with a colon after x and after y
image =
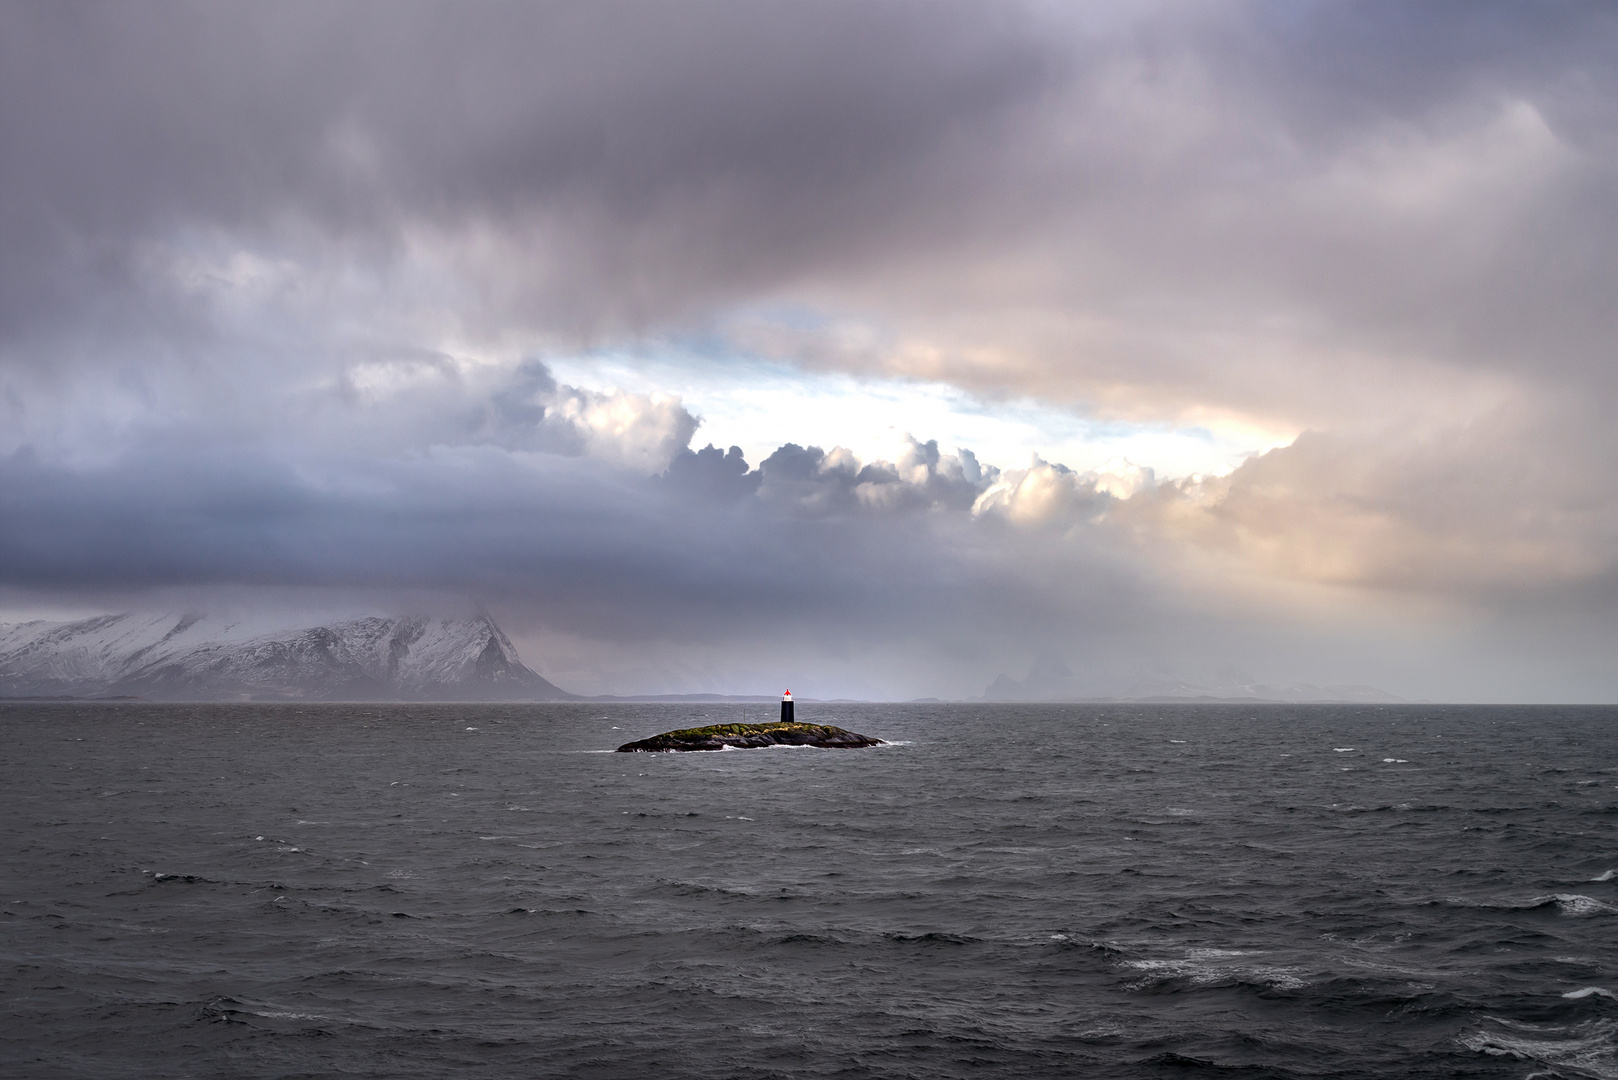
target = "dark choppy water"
x: 473, y: 891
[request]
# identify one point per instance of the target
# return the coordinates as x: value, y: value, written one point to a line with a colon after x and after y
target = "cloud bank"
x: 284, y: 292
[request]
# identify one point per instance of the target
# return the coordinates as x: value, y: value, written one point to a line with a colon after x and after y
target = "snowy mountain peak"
x: 190, y: 657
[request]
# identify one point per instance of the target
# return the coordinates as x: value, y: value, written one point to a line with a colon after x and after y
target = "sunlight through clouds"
x: 758, y: 405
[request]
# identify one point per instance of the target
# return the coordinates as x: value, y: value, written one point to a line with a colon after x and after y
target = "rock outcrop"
x: 750, y: 736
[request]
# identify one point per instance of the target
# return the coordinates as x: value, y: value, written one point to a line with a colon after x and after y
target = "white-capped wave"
x: 1343, y: 749
x: 1564, y: 903
x: 1396, y: 761
x: 1576, y: 904
x: 279, y: 1014
x: 1607, y: 876
x: 1587, y: 1049
x: 1204, y: 967
x: 1590, y: 991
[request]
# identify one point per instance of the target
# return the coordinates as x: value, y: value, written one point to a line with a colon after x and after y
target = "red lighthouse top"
x: 787, y: 696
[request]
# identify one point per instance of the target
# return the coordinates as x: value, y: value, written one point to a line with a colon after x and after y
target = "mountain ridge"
x: 191, y: 657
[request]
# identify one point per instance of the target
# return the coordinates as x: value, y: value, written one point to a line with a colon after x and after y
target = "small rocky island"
x: 748, y: 736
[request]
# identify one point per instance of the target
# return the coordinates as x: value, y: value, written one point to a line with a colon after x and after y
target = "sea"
x: 1120, y: 890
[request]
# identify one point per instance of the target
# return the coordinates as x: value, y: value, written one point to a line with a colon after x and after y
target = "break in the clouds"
x: 1135, y: 336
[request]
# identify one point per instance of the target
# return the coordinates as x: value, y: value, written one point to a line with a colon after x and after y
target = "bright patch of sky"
x: 759, y: 405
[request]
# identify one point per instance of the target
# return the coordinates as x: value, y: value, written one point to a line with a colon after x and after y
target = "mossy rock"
x: 750, y: 736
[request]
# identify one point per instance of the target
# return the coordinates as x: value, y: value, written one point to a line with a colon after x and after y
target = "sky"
x: 873, y: 349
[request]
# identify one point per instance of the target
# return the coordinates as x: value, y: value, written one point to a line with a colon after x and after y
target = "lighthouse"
x: 786, y: 707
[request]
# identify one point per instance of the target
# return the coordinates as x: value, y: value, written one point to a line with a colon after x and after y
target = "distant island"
x: 1051, y: 681
x: 750, y: 736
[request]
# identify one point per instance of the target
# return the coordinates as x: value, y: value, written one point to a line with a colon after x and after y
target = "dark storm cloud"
x: 602, y: 553
x: 657, y: 162
x: 744, y: 136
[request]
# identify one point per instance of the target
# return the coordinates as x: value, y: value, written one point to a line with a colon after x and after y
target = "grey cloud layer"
x: 1144, y: 208
x: 726, y: 142
x: 652, y: 161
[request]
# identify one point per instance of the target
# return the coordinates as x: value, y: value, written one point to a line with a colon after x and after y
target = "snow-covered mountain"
x: 212, y: 658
